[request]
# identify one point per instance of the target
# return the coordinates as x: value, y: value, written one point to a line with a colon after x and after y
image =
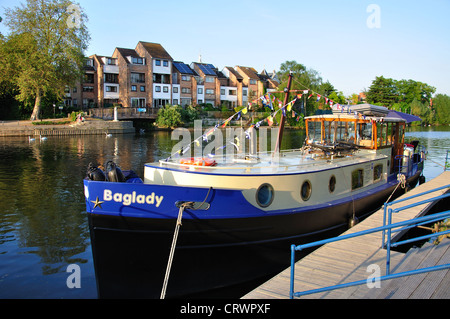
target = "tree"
x: 441, y: 103
x: 44, y: 52
x: 382, y: 91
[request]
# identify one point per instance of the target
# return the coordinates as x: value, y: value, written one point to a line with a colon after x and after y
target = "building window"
x: 210, y: 91
x: 185, y: 78
x: 74, y: 90
x: 175, y: 89
x: 136, y: 60
x: 161, y: 78
x: 111, y: 88
x: 232, y: 92
x: 165, y: 63
x: 112, y: 61
x: 175, y: 101
x: 137, y: 102
x: 157, y: 88
x: 111, y: 78
x: 244, y: 92
x: 222, y: 91
x: 142, y: 88
x: 158, y: 62
x: 75, y: 102
x: 200, y: 90
x: 186, y: 90
x: 199, y: 101
x: 88, y: 89
x: 134, y: 88
x: 209, y: 79
x: 252, y: 81
x: 88, y: 78
x: 137, y: 77
x: 165, y: 89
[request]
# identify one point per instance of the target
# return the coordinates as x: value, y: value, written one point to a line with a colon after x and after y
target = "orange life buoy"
x: 198, y: 161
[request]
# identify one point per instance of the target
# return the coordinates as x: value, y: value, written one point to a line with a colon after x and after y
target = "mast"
x: 283, y: 118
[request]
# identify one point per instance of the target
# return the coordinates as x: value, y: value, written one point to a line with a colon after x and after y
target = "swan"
x: 30, y: 139
x: 42, y: 138
x: 108, y: 134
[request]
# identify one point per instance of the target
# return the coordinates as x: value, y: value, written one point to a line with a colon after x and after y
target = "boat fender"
x: 353, y: 221
x: 95, y: 174
x: 421, y: 179
x: 114, y: 173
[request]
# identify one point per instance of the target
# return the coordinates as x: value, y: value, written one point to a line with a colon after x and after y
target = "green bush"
x: 169, y: 117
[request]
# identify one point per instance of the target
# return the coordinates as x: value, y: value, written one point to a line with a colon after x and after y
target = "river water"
x: 43, y: 223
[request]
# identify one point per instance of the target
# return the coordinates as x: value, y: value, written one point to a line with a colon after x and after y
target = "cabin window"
x: 377, y: 172
x: 357, y: 179
x: 306, y: 190
x: 314, y: 132
x: 364, y: 134
x: 332, y: 184
x: 264, y: 195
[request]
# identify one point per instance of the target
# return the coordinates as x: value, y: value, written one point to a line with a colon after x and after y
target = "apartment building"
x: 148, y: 77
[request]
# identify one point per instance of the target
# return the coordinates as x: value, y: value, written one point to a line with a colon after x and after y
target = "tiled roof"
x: 156, y: 50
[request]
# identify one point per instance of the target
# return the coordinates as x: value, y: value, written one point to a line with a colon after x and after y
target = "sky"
x: 349, y: 42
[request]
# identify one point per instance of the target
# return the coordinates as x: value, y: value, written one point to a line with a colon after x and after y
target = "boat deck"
x: 346, y: 261
x: 293, y: 161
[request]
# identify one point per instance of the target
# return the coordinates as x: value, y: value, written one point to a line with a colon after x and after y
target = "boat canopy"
x: 356, y: 131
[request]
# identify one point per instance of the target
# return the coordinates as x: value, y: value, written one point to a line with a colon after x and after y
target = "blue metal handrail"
x: 396, y: 227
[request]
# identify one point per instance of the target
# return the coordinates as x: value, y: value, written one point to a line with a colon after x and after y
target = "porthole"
x: 332, y: 184
x: 305, y: 191
x: 264, y: 195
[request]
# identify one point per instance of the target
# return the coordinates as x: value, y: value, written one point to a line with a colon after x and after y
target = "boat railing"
x: 277, y: 164
x: 387, y: 243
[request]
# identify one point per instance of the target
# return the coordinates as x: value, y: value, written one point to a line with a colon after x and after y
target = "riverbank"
x: 88, y: 127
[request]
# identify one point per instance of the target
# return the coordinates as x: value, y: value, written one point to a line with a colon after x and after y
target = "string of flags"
x: 271, y: 101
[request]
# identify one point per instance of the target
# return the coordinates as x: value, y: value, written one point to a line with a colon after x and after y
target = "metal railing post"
x: 291, y: 288
x: 388, y: 246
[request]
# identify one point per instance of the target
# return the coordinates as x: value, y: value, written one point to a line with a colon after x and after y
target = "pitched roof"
x: 156, y: 50
x: 233, y: 71
x: 127, y: 52
x: 249, y: 72
x: 183, y: 68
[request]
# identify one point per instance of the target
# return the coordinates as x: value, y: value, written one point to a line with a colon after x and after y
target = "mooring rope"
x: 183, y: 206
x: 401, y: 181
x: 172, y: 248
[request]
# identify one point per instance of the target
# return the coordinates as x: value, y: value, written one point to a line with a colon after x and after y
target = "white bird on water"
x: 30, y: 139
x: 108, y: 134
x: 42, y: 138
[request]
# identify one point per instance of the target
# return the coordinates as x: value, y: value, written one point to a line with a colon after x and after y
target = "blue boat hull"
x: 132, y: 227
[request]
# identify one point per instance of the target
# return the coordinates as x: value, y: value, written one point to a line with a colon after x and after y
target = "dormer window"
x: 165, y: 63
x: 111, y: 61
x: 136, y: 60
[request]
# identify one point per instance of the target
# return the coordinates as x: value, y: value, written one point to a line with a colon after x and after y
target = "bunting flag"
x: 270, y: 120
x: 310, y: 96
x: 289, y: 107
x: 244, y: 110
x: 318, y: 98
x: 299, y: 96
